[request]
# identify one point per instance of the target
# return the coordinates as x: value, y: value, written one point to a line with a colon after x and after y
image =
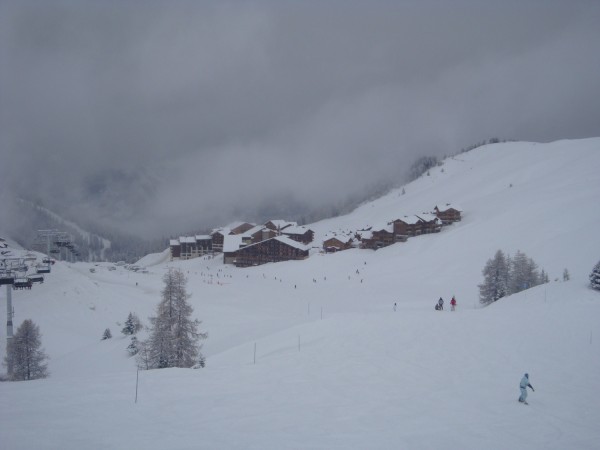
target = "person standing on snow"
x: 452, y: 304
x: 523, y: 386
x: 441, y: 304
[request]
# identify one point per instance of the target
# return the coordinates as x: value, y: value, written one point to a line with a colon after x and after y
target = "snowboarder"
x: 523, y: 386
x: 441, y: 304
x: 452, y: 304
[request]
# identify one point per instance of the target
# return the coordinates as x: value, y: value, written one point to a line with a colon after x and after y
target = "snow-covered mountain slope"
x: 335, y: 366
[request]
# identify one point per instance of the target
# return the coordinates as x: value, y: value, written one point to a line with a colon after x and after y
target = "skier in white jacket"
x: 523, y: 386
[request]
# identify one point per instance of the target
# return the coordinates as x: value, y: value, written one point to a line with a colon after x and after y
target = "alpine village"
x: 246, y: 244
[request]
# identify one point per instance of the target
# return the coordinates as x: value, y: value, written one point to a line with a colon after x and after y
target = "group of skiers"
x: 523, y: 385
x: 439, y: 306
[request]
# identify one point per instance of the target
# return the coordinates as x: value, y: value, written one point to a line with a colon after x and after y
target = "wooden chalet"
x: 378, y: 237
x: 175, y: 248
x: 218, y: 236
x: 280, y: 248
x: 431, y: 223
x: 299, y: 234
x: 407, y: 226
x: 187, y: 247
x: 279, y: 225
x: 337, y: 243
x: 231, y: 245
x: 448, y: 213
x: 204, y: 244
x: 256, y: 234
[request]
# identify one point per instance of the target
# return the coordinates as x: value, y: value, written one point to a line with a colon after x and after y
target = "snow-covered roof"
x: 232, y: 243
x: 295, y: 230
x: 340, y: 238
x: 292, y: 243
x: 187, y: 239
x: 285, y: 240
x: 174, y: 242
x: 224, y: 231
x: 383, y: 227
x: 428, y: 217
x: 365, y: 234
x: 282, y: 223
x: 203, y: 237
x: 253, y: 230
x: 409, y: 220
x: 234, y: 225
x: 448, y: 206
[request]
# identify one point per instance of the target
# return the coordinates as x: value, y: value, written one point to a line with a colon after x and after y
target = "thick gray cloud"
x: 162, y: 116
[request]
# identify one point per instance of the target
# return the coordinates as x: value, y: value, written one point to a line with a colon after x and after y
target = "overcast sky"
x: 160, y: 116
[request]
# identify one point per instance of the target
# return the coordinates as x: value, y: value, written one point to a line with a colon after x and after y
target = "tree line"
x: 505, y: 275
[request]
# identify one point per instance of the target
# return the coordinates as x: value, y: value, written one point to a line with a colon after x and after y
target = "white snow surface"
x: 335, y: 366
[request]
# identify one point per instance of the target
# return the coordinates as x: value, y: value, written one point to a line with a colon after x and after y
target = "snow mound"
x: 154, y: 259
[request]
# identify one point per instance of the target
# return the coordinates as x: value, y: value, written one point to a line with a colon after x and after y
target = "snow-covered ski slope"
x: 336, y: 367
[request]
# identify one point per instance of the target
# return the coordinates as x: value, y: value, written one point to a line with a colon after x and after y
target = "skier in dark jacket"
x: 441, y: 304
x: 523, y: 386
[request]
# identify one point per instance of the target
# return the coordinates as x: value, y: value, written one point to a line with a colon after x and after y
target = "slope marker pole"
x: 137, y: 377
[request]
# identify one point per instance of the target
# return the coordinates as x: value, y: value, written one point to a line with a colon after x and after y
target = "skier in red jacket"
x: 452, y: 303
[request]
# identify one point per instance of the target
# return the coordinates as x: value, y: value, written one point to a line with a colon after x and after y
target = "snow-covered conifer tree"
x: 132, y: 348
x: 107, y: 334
x: 544, y: 277
x: 24, y: 355
x: 132, y: 325
x: 496, y: 278
x: 595, y: 277
x: 523, y: 273
x: 174, y: 337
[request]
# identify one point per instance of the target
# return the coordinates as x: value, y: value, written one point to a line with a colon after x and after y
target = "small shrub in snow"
x: 566, y: 275
x: 107, y: 334
x: 595, y: 277
x: 132, y: 348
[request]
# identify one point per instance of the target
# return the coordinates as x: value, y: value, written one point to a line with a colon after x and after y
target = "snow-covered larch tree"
x: 174, y: 337
x: 25, y: 358
x: 524, y: 273
x: 496, y: 279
